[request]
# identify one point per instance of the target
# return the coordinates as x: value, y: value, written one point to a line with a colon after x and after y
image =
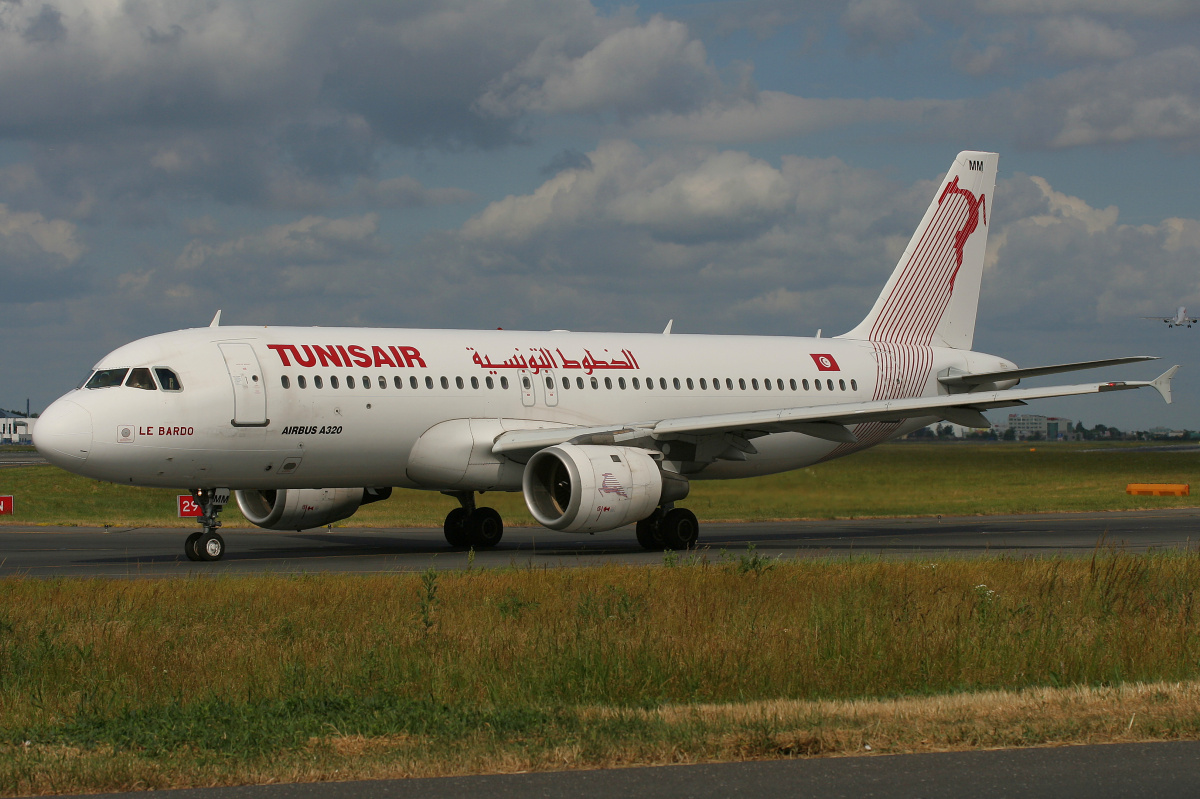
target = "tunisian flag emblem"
x: 825, y: 363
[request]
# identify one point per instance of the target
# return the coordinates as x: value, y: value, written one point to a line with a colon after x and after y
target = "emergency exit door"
x: 249, y: 395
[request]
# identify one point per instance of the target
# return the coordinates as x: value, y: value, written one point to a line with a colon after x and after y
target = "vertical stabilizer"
x: 933, y: 295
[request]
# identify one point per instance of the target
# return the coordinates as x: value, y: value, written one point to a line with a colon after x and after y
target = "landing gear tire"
x: 648, y: 534
x: 189, y: 546
x: 484, y: 528
x: 455, y: 528
x: 679, y: 529
x: 211, y: 546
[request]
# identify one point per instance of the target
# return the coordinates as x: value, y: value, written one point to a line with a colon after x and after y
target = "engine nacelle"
x: 585, y: 488
x: 304, y: 508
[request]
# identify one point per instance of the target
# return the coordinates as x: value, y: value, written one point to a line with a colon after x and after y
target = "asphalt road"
x: 150, y: 552
x: 1160, y: 770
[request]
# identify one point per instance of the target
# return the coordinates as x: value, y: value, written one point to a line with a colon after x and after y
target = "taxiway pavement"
x: 158, y: 552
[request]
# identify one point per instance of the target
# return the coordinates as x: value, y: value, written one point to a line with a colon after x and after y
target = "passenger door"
x: 249, y: 394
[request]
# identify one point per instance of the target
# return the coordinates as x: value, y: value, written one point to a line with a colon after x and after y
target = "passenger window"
x: 525, y: 382
x: 107, y: 378
x: 445, y: 382
x: 300, y: 381
x: 398, y: 381
x: 817, y: 385
x: 412, y: 382
x: 649, y: 383
x: 829, y: 383
x: 662, y: 383
x: 366, y: 381
x: 489, y: 382
x: 729, y: 383
x: 742, y: 383
x: 842, y: 385
x: 458, y: 381
x: 608, y: 382
x: 635, y: 383
x: 333, y: 381
x: 167, y: 379
x: 767, y: 383
x: 317, y: 382
x: 285, y: 382
x: 382, y: 381
x: 140, y: 378
x: 689, y: 384
x: 621, y: 383
x: 595, y: 382
x: 503, y: 381
x: 350, y: 382
x: 854, y: 385
x: 793, y: 383
x: 428, y: 382
x: 567, y: 382
x: 779, y: 383
x: 675, y: 382
x: 716, y: 384
x: 703, y: 385
x: 474, y: 382
x: 549, y: 382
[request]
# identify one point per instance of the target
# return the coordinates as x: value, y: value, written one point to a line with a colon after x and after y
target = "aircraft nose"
x: 63, y: 434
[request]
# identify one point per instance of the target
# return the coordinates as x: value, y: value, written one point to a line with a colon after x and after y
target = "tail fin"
x: 933, y: 294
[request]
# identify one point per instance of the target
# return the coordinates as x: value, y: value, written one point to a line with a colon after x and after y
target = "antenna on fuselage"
x: 216, y: 322
x: 667, y: 329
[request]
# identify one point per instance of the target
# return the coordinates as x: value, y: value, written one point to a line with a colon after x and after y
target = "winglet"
x: 1162, y: 383
x: 667, y: 329
x: 216, y: 322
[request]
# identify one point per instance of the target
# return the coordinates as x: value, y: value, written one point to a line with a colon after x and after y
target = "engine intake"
x: 304, y: 508
x: 586, y: 488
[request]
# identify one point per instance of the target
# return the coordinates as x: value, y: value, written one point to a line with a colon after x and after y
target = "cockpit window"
x: 140, y: 378
x: 168, y: 379
x: 107, y: 378
x: 84, y: 381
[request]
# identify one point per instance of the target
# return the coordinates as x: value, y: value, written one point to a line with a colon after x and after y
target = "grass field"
x: 892, y: 480
x: 108, y: 685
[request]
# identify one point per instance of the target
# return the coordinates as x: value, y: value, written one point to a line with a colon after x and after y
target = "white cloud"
x: 632, y: 70
x: 1078, y: 38
x: 773, y: 115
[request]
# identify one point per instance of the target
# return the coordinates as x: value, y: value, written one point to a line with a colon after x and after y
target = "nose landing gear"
x: 207, y: 544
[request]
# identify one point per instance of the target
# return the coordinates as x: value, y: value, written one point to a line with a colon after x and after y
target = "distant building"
x: 1031, y: 425
x: 15, y: 429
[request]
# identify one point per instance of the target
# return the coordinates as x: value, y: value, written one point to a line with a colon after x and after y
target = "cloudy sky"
x: 741, y: 167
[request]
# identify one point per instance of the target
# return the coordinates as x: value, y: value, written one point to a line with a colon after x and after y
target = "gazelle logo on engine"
x: 610, y: 486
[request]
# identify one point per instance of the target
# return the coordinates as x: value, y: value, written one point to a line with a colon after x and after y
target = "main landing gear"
x: 207, y: 544
x: 469, y: 526
x: 668, y: 528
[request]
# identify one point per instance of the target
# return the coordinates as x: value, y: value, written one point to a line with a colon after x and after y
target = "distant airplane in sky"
x: 1178, y: 320
x: 302, y: 425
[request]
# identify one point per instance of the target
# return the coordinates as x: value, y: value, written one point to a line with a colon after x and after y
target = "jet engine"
x: 583, y: 488
x: 305, y: 508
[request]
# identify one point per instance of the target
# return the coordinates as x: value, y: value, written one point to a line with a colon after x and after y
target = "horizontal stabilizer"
x: 1162, y: 383
x: 983, y: 378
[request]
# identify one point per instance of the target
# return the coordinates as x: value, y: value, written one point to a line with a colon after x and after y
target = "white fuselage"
x: 234, y: 423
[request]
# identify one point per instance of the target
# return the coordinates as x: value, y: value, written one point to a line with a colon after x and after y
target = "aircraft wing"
x: 982, y: 378
x: 830, y: 422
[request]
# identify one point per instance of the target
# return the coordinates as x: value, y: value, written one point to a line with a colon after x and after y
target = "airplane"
x: 304, y: 425
x: 1178, y: 320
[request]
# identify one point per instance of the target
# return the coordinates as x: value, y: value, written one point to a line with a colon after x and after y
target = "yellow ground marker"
x: 1159, y: 489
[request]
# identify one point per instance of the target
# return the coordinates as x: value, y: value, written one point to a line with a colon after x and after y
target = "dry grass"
x: 121, y: 685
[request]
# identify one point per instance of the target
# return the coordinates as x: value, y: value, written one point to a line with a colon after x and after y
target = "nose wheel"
x: 207, y: 544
